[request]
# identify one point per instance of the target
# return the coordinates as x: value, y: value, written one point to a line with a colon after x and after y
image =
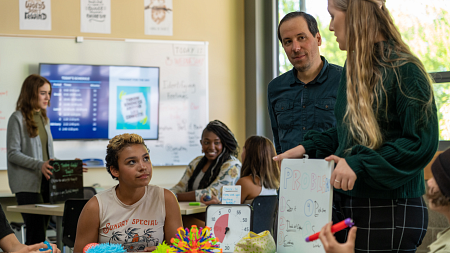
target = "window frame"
x: 441, y: 77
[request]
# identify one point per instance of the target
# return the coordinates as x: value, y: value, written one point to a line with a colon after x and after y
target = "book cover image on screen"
x: 101, y: 101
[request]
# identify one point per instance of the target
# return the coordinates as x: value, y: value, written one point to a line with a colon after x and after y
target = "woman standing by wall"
x: 30, y: 149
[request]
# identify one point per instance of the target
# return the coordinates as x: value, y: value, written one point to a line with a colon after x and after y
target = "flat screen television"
x: 101, y: 101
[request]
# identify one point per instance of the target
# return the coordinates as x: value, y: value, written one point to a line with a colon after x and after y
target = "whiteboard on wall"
x: 305, y: 204
x: 183, y: 109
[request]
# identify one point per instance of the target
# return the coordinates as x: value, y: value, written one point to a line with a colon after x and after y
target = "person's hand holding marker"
x: 332, y: 246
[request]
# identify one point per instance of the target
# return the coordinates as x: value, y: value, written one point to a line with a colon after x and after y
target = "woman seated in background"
x: 132, y: 213
x: 438, y: 195
x: 218, y: 167
x: 260, y: 175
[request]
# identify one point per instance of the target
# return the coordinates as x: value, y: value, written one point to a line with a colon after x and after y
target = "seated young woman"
x: 218, y: 167
x: 260, y: 175
x: 132, y: 213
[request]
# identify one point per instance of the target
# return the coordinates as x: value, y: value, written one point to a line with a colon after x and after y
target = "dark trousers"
x: 384, y: 225
x: 36, y: 225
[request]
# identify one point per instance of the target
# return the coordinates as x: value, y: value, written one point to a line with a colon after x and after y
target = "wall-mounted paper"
x: 35, y: 14
x: 158, y: 17
x: 95, y: 16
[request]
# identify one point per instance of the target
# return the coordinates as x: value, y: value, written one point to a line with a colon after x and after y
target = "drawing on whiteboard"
x: 318, y: 210
x: 287, y: 242
x: 281, y: 223
x: 290, y: 208
x: 309, y: 210
x: 292, y: 227
x: 308, y: 228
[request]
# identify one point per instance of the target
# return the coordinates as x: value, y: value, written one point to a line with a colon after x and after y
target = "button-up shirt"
x: 296, y: 107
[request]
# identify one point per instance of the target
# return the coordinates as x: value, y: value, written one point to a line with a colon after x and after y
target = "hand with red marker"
x: 332, y: 246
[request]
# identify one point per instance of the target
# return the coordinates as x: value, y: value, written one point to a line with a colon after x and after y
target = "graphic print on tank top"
x: 134, y: 226
x: 135, y: 239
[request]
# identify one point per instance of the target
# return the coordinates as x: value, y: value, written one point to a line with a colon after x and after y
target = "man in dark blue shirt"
x: 303, y: 98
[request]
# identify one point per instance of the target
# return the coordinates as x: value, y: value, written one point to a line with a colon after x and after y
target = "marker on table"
x: 335, y: 228
x: 194, y: 203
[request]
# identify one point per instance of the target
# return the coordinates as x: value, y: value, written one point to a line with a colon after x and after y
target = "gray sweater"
x: 25, y: 155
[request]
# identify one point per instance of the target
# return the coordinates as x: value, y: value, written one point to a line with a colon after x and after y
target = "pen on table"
x: 335, y: 228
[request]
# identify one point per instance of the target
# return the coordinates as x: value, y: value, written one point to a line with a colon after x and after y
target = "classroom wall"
x: 221, y: 23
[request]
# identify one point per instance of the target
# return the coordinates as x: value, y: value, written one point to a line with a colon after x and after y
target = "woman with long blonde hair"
x: 386, y: 133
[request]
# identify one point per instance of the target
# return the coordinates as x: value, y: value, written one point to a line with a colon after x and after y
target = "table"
x: 58, y: 211
x: 186, y: 209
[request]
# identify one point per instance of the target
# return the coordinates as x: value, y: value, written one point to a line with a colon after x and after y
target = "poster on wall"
x: 35, y: 15
x: 158, y: 17
x: 95, y: 16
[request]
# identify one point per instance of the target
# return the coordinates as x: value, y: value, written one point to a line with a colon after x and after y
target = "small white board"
x: 231, y: 194
x: 305, y: 203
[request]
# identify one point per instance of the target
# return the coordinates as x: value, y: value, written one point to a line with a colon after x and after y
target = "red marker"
x: 335, y: 228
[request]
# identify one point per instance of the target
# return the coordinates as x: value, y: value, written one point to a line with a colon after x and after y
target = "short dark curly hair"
x: 116, y: 145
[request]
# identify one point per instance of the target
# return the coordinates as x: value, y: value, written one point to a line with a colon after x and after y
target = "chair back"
x: 89, y: 192
x: 72, y: 211
x: 264, y: 213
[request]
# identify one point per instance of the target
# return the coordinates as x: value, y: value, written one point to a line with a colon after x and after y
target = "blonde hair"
x: 117, y: 144
x: 367, y: 21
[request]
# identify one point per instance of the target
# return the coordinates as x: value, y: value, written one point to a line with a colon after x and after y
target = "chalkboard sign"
x: 66, y: 181
x: 305, y: 204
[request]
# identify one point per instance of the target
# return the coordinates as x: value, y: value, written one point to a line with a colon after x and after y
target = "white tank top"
x: 134, y: 226
x: 264, y: 192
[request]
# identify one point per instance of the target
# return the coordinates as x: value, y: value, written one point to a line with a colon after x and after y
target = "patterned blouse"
x: 229, y: 174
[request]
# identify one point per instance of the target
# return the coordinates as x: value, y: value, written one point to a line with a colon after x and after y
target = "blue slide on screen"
x: 99, y: 102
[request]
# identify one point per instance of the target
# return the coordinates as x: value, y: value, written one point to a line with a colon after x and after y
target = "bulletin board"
x: 183, y: 112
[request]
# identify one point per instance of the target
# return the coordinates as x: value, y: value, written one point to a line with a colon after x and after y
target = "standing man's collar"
x: 320, y: 78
